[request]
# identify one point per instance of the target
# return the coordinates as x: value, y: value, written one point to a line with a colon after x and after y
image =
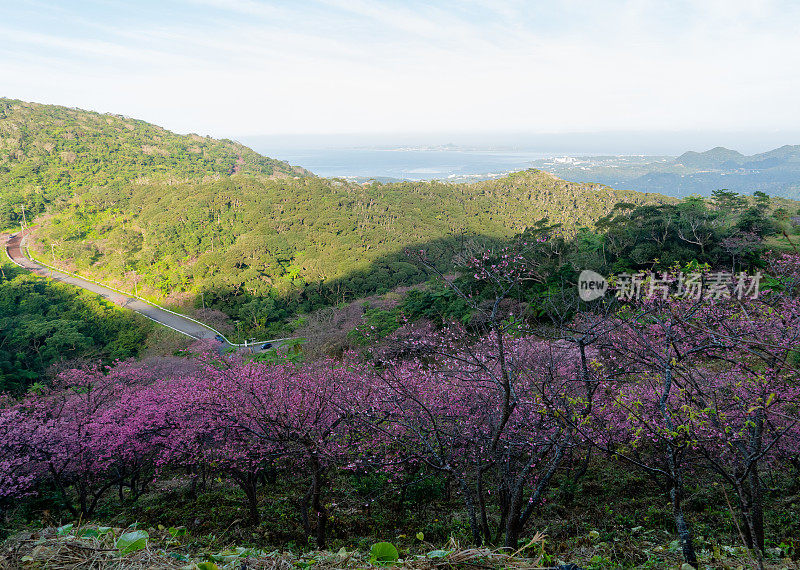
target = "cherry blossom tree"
x: 706, y: 380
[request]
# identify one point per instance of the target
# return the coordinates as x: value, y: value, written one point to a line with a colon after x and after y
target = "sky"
x: 260, y: 67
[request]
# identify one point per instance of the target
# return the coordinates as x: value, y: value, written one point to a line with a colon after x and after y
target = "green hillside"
x: 44, y: 324
x: 212, y: 222
x: 261, y: 249
x: 49, y: 153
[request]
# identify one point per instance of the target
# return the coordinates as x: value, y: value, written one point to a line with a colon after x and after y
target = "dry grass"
x: 45, y: 549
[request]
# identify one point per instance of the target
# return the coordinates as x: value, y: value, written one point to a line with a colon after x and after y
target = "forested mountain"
x: 261, y: 249
x: 215, y: 224
x: 49, y: 153
x: 542, y: 406
x: 787, y: 156
x: 775, y: 172
x: 714, y: 158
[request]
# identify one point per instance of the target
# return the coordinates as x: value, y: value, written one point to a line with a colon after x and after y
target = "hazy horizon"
x: 666, y: 143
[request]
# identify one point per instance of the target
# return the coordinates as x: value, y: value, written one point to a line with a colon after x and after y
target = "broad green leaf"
x: 383, y: 553
x: 131, y: 541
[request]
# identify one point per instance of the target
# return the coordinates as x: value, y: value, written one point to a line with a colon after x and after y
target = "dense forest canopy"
x: 49, y: 153
x: 43, y: 323
x: 729, y: 233
x: 248, y: 241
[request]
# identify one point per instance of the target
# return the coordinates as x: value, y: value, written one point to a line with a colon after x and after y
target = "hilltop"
x: 50, y: 153
x: 787, y: 156
x: 714, y: 158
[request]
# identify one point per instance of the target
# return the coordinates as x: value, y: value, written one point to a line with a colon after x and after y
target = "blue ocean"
x: 407, y: 164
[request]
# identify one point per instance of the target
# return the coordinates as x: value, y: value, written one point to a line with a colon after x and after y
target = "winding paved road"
x: 174, y: 321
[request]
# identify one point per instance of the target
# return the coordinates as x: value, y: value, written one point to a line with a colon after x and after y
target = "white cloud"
x: 250, y: 67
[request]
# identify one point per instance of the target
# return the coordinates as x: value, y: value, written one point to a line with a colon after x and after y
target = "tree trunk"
x: 572, y: 484
x: 675, y: 475
x: 756, y: 498
x: 136, y: 490
x: 63, y: 492
x: 487, y: 535
x: 514, y: 518
x: 757, y: 509
x: 305, y: 504
x: 513, y: 526
x: 504, y: 498
x: 684, y: 534
x: 317, y: 475
x: 83, y: 499
x: 473, y: 519
x: 251, y: 492
x: 752, y: 518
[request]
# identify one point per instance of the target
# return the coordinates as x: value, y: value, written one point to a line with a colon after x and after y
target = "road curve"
x: 176, y: 322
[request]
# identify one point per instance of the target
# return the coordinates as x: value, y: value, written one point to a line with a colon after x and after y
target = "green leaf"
x: 420, y: 536
x: 383, y: 553
x: 131, y: 541
x: 87, y: 533
x: 206, y: 566
x: 438, y: 553
x: 175, y: 532
x: 64, y: 530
